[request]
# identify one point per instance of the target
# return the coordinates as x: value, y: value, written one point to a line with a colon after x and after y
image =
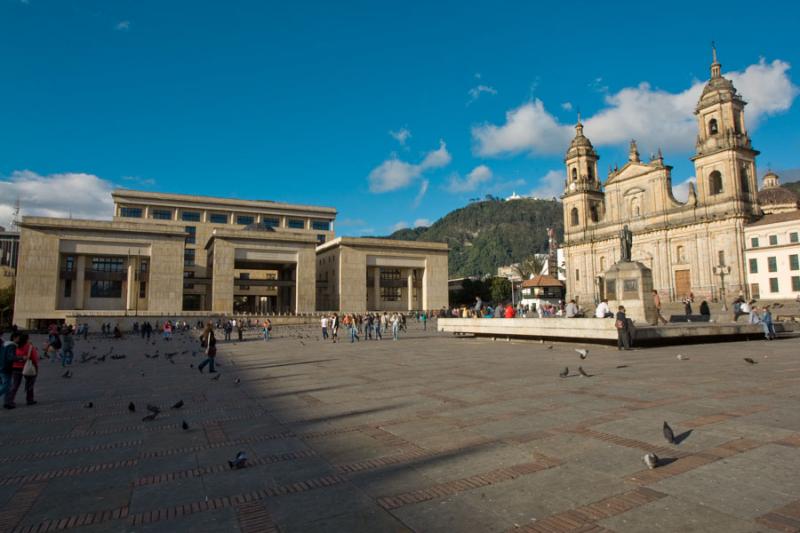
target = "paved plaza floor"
x: 428, y: 433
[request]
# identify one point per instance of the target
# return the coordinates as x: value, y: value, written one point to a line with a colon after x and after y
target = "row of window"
x: 774, y: 286
x: 221, y: 218
x: 772, y: 264
x: 794, y: 238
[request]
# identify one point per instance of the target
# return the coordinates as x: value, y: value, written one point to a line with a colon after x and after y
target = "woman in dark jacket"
x: 209, y: 342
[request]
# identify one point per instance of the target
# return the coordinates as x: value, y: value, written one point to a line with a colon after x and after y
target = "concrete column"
x: 376, y: 289
x: 80, y: 277
x: 410, y: 289
x: 129, y: 305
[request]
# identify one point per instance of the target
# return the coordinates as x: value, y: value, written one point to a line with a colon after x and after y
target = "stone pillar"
x: 376, y: 289
x: 131, y: 285
x: 80, y: 277
x: 410, y: 289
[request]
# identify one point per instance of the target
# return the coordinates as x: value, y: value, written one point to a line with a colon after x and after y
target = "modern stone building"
x: 692, y: 246
x: 172, y: 254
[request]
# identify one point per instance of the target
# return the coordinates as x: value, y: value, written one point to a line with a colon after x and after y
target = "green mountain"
x: 487, y: 234
x: 793, y: 186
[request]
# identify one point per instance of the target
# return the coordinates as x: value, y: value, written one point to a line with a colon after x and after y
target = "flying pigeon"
x: 668, y: 434
x: 132, y: 407
x: 89, y: 405
x: 150, y: 417
x: 750, y: 361
x: 582, y: 352
x: 239, y: 461
x: 178, y: 404
x: 651, y: 460
x: 153, y: 409
x: 582, y: 372
x: 184, y: 425
x: 215, y: 378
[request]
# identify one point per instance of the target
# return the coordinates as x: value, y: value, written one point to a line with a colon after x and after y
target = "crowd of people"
x: 370, y: 326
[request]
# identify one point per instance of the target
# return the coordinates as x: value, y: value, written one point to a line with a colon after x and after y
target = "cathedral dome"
x: 777, y: 196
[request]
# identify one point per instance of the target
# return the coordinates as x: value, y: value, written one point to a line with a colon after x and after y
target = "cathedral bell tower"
x: 725, y: 159
x: 583, y: 199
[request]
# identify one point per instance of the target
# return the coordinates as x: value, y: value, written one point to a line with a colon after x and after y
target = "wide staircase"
x: 781, y: 310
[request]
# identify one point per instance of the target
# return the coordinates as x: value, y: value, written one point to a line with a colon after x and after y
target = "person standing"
x: 623, y: 329
x: 424, y: 318
x: 395, y: 326
x: 239, y: 328
x: 377, y: 321
x: 209, y: 342
x: 766, y: 323
x: 25, y: 365
x: 334, y: 327
x: 657, y: 304
x: 324, y: 327
x: 687, y: 306
x: 9, y: 353
x: 67, y: 346
x: 354, y: 329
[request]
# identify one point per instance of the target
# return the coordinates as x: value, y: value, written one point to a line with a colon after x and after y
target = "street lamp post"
x: 722, y: 271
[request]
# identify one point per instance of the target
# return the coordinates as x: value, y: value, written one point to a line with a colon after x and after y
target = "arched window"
x: 744, y: 177
x: 712, y: 127
x: 680, y: 254
x: 590, y: 172
x: 715, y: 183
x: 593, y: 213
x: 574, y: 216
x: 574, y: 174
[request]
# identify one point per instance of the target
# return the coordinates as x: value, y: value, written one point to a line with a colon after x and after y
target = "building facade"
x: 693, y: 247
x: 170, y: 254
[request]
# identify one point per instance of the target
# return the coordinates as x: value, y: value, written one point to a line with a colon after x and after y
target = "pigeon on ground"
x: 89, y: 405
x: 239, y: 461
x: 150, y: 417
x: 178, y: 404
x: 668, y: 433
x: 682, y: 357
x: 153, y: 409
x: 583, y: 373
x: 651, y: 460
x: 132, y: 407
x: 102, y: 359
x: 550, y: 347
x: 564, y: 373
x: 750, y: 361
x: 582, y: 352
x: 67, y: 374
x: 216, y: 378
x: 237, y: 380
x: 184, y: 425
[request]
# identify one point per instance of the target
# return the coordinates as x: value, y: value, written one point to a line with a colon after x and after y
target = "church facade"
x: 693, y: 247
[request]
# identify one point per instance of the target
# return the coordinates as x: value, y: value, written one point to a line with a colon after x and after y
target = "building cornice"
x: 48, y: 223
x: 368, y: 242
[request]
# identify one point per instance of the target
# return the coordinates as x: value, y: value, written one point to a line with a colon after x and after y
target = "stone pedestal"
x: 630, y: 284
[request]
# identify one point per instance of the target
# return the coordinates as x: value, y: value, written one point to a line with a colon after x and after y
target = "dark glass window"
x: 69, y: 263
x: 715, y: 183
x: 773, y: 284
x: 142, y: 289
x: 130, y: 212
x: 192, y: 237
x: 320, y: 239
x: 754, y: 266
x: 796, y: 283
x: 67, y: 288
x: 107, y: 264
x: 143, y: 265
x: 793, y: 237
x: 296, y: 223
x: 245, y: 220
x: 190, y: 216
x: 188, y: 274
x: 188, y: 257
x: 390, y: 294
x: 218, y: 218
x: 794, y: 263
x: 162, y: 214
x: 106, y: 289
x: 270, y: 222
x: 754, y: 242
x: 772, y: 264
x: 773, y: 240
x: 321, y: 225
x: 389, y: 275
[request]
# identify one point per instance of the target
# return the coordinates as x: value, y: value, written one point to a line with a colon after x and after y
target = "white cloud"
x: 654, y: 117
x: 423, y: 189
x: 566, y: 106
x: 56, y: 195
x: 476, y: 92
x: 477, y: 176
x: 681, y: 191
x: 395, y: 174
x: 401, y: 135
x: 123, y: 25
x: 422, y: 223
x: 400, y: 225
x: 550, y: 185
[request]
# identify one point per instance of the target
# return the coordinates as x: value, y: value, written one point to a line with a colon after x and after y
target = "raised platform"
x: 601, y: 330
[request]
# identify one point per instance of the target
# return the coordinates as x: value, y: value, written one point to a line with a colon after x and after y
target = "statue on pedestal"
x: 626, y: 243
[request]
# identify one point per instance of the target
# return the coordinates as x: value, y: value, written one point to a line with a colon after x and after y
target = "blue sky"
x: 393, y: 112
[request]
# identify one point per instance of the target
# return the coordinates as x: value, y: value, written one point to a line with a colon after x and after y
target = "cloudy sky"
x: 393, y: 112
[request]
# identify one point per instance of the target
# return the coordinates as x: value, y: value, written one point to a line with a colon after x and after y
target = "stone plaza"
x: 428, y: 433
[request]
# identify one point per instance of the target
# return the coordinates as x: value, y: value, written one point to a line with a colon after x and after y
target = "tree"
x: 6, y: 304
x: 530, y: 266
x: 501, y: 290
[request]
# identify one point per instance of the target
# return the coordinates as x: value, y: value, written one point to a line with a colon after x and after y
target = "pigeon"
x: 651, y: 460
x: 750, y: 361
x: 550, y: 347
x: 237, y: 380
x: 150, y: 417
x: 89, y: 405
x: 668, y: 434
x: 582, y: 352
x: 132, y: 407
x: 682, y: 357
x: 239, y: 461
x: 102, y: 359
x: 564, y: 373
x: 153, y: 409
x: 583, y: 373
x: 215, y: 378
x: 67, y: 374
x: 178, y: 404
x: 184, y: 425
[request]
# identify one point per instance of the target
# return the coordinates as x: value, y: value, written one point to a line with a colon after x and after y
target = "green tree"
x: 530, y: 266
x: 501, y: 290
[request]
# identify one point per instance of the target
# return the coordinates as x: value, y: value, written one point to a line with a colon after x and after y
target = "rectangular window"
x: 190, y: 216
x: 188, y: 274
x: 130, y: 212
x: 794, y: 262
x: 389, y: 275
x: 321, y: 238
x: 244, y: 275
x: 754, y: 242
x: 218, y: 218
x: 755, y: 291
x: 143, y: 265
x: 390, y: 294
x: 721, y: 257
x: 321, y: 225
x: 192, y: 237
x: 106, y: 289
x: 142, y: 289
x: 67, y: 288
x: 69, y: 263
x: 161, y: 214
x: 796, y: 283
x: 773, y: 240
x: 793, y: 237
x: 577, y: 275
x: 772, y: 264
x: 188, y: 257
x: 245, y: 220
x: 270, y: 222
x: 773, y: 284
x: 107, y: 264
x: 754, y: 266
x: 297, y: 223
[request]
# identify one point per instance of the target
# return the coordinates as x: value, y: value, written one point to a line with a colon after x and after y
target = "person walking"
x: 354, y: 330
x: 7, y: 356
x: 623, y: 329
x: 67, y: 346
x: 378, y: 336
x: 209, y: 342
x: 324, y: 323
x: 239, y: 328
x: 657, y: 305
x: 424, y: 318
x: 266, y: 329
x: 25, y: 366
x: 334, y: 327
x: 395, y: 326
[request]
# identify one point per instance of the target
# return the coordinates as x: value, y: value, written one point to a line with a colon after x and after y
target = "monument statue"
x: 626, y: 243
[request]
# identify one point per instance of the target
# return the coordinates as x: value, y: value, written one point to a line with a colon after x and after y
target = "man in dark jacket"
x: 7, y: 355
x: 623, y: 330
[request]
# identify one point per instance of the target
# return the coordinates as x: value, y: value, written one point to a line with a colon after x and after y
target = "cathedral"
x: 694, y: 247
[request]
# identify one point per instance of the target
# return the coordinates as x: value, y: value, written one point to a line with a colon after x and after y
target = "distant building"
x: 9, y: 252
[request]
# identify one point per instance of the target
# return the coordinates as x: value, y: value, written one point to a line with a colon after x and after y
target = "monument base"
x: 630, y: 284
